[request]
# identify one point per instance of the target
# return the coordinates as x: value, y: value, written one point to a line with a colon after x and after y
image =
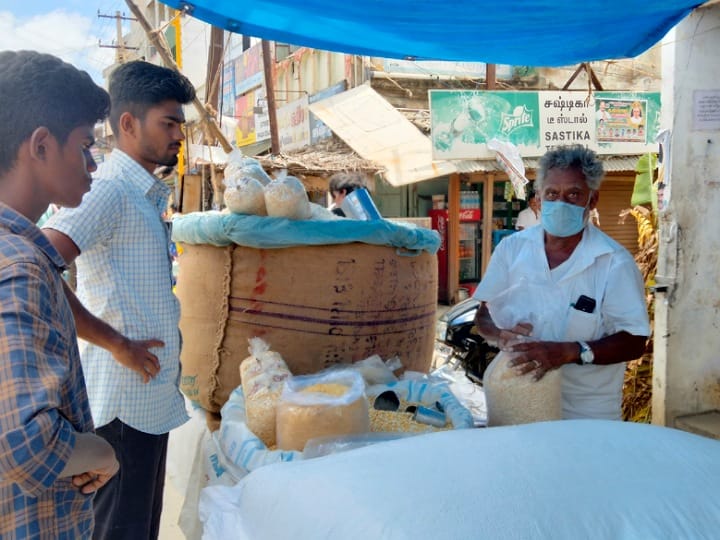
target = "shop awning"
x: 378, y: 132
x: 515, y: 32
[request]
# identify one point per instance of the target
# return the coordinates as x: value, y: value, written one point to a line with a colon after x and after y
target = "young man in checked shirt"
x: 124, y: 277
x: 50, y: 460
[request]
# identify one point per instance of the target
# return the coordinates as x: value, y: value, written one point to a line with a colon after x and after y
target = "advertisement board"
x: 462, y: 121
x: 294, y: 125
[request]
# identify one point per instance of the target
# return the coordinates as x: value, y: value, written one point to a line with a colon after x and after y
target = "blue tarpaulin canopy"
x: 514, y: 32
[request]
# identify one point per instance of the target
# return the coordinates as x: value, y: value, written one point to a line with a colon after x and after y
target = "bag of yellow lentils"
x: 326, y: 404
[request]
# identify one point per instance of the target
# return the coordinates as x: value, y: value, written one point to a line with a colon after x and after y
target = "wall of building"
x: 307, y: 71
x: 687, y: 316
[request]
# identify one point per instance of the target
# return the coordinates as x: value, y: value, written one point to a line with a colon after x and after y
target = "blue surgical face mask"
x: 563, y: 219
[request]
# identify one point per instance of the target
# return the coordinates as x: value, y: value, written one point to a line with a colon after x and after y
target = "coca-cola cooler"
x: 469, y: 249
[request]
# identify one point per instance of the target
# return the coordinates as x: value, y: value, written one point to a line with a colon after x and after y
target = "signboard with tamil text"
x: 608, y: 122
x: 293, y: 122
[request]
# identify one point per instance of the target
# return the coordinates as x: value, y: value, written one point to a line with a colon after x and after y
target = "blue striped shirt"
x: 124, y: 278
x: 42, y: 395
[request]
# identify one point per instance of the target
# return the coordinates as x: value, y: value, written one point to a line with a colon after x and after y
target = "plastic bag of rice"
x: 286, y: 197
x: 326, y: 404
x: 262, y: 375
x: 244, y: 195
x: 518, y: 399
x: 240, y: 166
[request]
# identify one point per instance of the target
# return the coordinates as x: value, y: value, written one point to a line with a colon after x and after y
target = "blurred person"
x: 529, y: 216
x: 50, y: 460
x: 341, y: 185
x: 593, y: 317
x: 121, y: 243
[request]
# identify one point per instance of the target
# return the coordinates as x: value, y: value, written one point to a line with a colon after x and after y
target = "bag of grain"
x: 325, y: 404
x: 262, y: 375
x: 245, y: 167
x: 286, y: 197
x: 518, y: 399
x: 244, y: 195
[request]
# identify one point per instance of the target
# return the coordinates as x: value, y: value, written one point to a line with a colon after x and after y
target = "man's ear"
x: 594, y: 198
x: 126, y: 123
x: 39, y: 141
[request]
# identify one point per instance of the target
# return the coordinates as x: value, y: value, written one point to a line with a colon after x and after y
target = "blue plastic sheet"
x: 515, y: 32
x: 218, y: 229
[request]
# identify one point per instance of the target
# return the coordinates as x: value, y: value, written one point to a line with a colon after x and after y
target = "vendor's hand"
x: 90, y: 481
x: 136, y: 355
x: 539, y: 357
x: 517, y: 334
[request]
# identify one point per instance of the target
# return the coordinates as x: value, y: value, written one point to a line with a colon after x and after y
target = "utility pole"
x: 270, y: 95
x: 120, y: 47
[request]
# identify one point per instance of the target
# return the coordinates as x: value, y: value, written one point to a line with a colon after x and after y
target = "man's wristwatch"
x: 586, y: 354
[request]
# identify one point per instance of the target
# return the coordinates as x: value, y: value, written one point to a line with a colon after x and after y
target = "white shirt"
x: 599, y: 268
x: 124, y: 278
x: 527, y: 218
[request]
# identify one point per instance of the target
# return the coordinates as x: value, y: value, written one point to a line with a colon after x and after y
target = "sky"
x: 70, y: 29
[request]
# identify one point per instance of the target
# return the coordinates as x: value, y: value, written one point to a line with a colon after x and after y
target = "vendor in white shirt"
x: 530, y: 216
x: 593, y: 317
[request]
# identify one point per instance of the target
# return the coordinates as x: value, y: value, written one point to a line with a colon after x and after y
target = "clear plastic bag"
x: 330, y: 403
x: 519, y: 399
x: 286, y: 197
x: 244, y: 195
x: 262, y: 375
x: 240, y: 166
x: 522, y: 303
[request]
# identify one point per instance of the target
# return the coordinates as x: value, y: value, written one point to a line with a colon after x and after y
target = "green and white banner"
x: 608, y: 122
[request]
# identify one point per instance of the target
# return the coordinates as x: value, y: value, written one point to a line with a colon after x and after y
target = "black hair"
x: 138, y: 86
x: 349, y: 181
x: 40, y: 90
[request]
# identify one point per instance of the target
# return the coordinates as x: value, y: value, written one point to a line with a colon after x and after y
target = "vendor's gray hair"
x: 571, y: 157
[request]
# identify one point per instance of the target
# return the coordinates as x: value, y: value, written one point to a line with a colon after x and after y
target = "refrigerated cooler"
x: 468, y: 248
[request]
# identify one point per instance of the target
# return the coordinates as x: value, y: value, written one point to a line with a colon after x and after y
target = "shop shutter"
x: 615, y: 195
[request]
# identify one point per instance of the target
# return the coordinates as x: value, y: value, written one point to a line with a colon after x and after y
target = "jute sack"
x: 315, y: 305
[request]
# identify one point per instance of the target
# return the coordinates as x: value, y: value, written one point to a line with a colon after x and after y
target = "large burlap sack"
x: 315, y: 305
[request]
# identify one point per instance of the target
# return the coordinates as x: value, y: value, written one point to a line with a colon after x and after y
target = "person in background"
x: 50, y: 459
x: 124, y: 277
x: 341, y: 185
x: 529, y: 216
x: 593, y: 317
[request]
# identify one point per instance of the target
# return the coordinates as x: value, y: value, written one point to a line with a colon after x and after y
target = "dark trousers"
x: 128, y: 507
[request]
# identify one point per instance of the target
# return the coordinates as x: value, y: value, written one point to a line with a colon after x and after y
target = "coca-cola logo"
x: 441, y: 231
x: 469, y: 214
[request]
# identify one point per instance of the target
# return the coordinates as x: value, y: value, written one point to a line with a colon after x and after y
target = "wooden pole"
x: 491, y: 76
x: 154, y: 36
x: 270, y: 96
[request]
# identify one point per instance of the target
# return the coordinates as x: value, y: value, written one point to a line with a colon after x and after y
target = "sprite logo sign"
x: 520, y: 117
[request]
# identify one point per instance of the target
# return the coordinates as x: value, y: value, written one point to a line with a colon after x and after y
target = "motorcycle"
x: 458, y: 343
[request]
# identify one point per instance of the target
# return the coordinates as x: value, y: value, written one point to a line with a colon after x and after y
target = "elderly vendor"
x: 592, y: 317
